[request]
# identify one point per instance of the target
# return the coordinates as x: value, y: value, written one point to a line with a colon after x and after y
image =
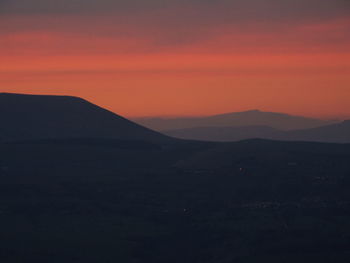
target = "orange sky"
x: 143, y: 67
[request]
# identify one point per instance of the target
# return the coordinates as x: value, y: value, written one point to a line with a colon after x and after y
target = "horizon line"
x: 337, y: 117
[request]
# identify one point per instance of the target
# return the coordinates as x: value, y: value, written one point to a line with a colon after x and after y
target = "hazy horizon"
x: 189, y: 115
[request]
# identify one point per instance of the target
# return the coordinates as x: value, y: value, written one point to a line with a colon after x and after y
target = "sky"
x: 181, y: 57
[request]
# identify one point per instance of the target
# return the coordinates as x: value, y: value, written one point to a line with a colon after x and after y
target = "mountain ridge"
x: 255, y: 117
x: 333, y: 133
x: 26, y: 116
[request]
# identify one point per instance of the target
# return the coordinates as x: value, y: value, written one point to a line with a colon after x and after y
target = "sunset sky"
x: 181, y: 57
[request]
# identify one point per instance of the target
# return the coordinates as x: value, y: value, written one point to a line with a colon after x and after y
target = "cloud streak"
x: 201, y: 10
x: 159, y: 25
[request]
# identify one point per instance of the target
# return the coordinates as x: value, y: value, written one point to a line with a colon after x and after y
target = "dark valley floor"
x: 252, y: 201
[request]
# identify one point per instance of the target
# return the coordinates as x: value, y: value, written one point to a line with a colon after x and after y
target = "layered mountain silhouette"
x: 237, y: 119
x: 131, y: 196
x: 223, y: 134
x: 335, y: 133
x: 37, y: 117
x: 28, y: 117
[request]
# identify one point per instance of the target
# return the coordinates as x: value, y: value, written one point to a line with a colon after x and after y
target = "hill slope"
x: 26, y: 117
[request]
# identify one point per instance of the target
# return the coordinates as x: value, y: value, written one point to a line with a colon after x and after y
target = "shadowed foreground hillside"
x: 81, y: 184
x: 121, y: 201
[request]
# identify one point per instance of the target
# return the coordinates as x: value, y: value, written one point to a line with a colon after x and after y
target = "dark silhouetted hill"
x: 110, y: 200
x: 247, y: 118
x: 26, y: 117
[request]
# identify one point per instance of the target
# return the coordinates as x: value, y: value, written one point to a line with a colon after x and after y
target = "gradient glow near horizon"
x: 177, y: 57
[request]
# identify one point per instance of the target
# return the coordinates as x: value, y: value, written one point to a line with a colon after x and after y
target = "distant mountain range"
x: 223, y: 134
x: 251, y: 125
x: 27, y: 117
x: 335, y: 133
x: 37, y: 117
x: 237, y: 119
